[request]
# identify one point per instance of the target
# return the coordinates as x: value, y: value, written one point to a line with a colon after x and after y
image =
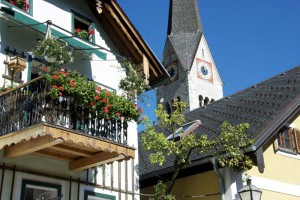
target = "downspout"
x: 221, y: 179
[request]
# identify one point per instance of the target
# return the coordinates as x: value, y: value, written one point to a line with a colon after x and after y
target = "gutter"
x: 221, y: 179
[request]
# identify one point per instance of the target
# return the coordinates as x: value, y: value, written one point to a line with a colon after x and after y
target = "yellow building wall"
x: 206, y: 184
x: 282, y: 168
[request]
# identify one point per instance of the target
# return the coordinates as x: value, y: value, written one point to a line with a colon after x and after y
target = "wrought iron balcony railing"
x: 30, y: 104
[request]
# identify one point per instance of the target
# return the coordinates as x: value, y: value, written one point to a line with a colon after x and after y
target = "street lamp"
x: 250, y: 192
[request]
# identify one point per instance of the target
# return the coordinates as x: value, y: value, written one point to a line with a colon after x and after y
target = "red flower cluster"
x: 20, y: 4
x: 104, y: 103
x: 91, y: 32
x: 105, y: 110
x: 140, y: 110
x: 72, y: 83
x: 55, y: 76
x: 45, y: 69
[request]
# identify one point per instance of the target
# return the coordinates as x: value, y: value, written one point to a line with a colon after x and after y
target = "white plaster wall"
x: 233, y: 182
x: 106, y: 72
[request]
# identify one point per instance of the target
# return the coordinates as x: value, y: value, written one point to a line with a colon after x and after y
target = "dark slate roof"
x: 184, y: 30
x: 184, y: 17
x: 266, y: 106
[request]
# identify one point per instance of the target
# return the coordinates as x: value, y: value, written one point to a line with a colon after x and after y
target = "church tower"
x: 194, y: 75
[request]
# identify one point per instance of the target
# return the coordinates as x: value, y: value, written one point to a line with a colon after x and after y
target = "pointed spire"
x: 184, y: 17
x: 184, y: 31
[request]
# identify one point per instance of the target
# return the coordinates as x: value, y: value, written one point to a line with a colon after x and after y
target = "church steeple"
x: 184, y: 17
x: 184, y: 31
x: 194, y: 77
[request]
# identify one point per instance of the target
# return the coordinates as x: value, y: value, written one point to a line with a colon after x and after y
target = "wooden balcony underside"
x: 81, y: 151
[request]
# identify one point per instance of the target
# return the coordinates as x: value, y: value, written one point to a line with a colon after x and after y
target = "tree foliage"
x: 228, y: 148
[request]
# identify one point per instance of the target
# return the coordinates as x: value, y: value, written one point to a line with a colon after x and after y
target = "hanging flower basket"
x: 53, y: 51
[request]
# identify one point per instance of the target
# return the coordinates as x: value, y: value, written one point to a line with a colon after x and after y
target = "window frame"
x: 19, y: 9
x: 100, y: 195
x: 38, y: 184
x: 85, y: 20
x: 282, y: 140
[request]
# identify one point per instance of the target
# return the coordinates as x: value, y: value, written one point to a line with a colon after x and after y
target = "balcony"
x: 32, y: 123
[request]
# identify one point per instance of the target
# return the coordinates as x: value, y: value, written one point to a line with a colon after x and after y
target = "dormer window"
x: 83, y: 27
x: 288, y: 140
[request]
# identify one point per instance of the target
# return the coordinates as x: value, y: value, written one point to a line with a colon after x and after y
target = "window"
x: 83, y: 27
x: 24, y: 5
x: 201, y: 101
x: 206, y: 101
x: 168, y: 108
x: 89, y: 195
x: 40, y: 190
x: 286, y: 140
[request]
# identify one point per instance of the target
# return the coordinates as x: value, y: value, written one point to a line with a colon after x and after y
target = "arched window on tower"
x: 172, y: 105
x: 168, y: 108
x: 206, y: 100
x: 200, y: 100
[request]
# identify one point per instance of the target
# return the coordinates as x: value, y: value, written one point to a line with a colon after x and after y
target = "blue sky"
x: 250, y: 40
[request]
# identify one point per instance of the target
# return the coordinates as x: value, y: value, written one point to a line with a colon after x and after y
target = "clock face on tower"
x: 204, y: 70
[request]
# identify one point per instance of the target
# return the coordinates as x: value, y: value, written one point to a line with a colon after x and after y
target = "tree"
x: 228, y: 147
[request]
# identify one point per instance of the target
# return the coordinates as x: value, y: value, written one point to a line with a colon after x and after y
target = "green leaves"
x: 85, y: 92
x: 132, y: 83
x: 229, y: 147
x: 233, y: 142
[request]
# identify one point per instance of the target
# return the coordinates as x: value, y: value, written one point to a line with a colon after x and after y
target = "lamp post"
x: 250, y: 192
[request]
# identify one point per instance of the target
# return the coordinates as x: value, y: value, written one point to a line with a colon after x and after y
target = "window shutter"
x: 297, y: 137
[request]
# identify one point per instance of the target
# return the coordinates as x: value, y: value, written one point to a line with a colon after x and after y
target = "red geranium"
x: 92, y: 103
x: 91, y: 32
x: 140, y: 110
x: 45, y: 69
x: 118, y: 114
x: 55, y: 76
x: 12, y: 3
x: 108, y: 94
x: 60, y: 94
x: 105, y: 110
x: 77, y: 30
x: 104, y: 100
x: 61, y: 88
x: 97, y: 98
x: 55, y: 86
